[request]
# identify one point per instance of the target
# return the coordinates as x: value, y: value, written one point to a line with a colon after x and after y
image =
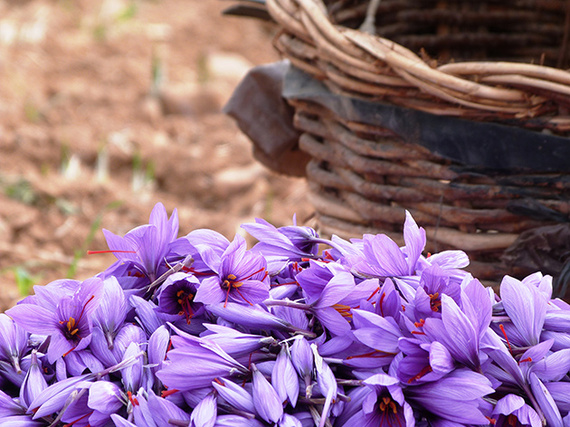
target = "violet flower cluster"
x: 297, y: 331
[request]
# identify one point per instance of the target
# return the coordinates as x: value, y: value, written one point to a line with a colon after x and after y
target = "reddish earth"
x: 88, y: 142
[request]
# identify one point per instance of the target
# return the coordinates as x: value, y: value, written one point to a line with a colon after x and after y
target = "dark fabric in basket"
x: 472, y: 144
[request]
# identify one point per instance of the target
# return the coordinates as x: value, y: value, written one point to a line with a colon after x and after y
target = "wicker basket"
x: 362, y: 176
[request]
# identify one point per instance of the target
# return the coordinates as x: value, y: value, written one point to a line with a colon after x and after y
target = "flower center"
x: 231, y: 282
x: 184, y: 300
x: 512, y: 420
x: 71, y: 325
x: 435, y: 302
x: 71, y: 330
x: 387, y: 404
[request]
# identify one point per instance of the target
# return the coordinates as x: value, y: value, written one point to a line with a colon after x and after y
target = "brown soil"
x: 85, y: 145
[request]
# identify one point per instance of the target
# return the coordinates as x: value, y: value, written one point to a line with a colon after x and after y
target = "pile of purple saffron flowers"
x: 297, y: 331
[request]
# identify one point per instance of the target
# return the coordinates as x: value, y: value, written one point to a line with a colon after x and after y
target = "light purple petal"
x: 415, y: 239
x: 210, y: 291
x: 341, y: 285
x: 235, y: 395
x: 164, y: 410
x: 265, y: 398
x: 205, y: 413
x: 376, y: 331
x: 105, y: 397
x: 34, y: 319
x: 525, y: 306
x: 560, y: 392
x: 456, y: 332
x: 333, y: 321
x: 546, y: 402
x: 284, y: 378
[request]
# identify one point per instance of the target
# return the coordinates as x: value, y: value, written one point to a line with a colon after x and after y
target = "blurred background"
x: 109, y: 106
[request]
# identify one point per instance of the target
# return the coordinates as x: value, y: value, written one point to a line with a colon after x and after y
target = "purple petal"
x: 389, y: 258
x: 164, y: 411
x: 210, y: 291
x: 439, y: 358
x: 456, y: 332
x: 560, y: 392
x: 34, y: 384
x: 157, y: 346
x: 333, y: 321
x: 235, y: 395
x: 265, y: 398
x: 415, y: 239
x: 205, y: 413
x: 546, y: 402
x: 376, y: 331
x: 249, y: 317
x: 105, y: 397
x: 237, y: 421
x: 525, y: 306
x: 477, y: 306
x: 302, y: 356
x: 251, y: 292
x: 341, y: 285
x: 34, y: 319
x: 284, y: 378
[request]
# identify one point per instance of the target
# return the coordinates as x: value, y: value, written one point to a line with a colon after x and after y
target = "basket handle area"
x: 509, y: 89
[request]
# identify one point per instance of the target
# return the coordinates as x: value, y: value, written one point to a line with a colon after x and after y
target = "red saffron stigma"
x: 78, y: 419
x: 528, y: 359
x: 168, y: 348
x: 110, y: 251
x: 426, y: 370
x: 506, y: 338
x: 381, y: 304
x: 419, y: 324
x: 374, y: 293
x: 167, y: 393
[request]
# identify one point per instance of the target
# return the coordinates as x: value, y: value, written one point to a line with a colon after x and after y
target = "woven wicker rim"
x: 367, y: 64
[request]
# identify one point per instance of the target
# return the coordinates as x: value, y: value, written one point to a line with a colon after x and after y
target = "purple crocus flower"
x: 382, y: 257
x: 233, y: 342
x: 71, y: 323
x: 144, y: 249
x: 176, y: 296
x: 384, y: 406
x: 194, y: 363
x: 240, y: 276
x: 112, y: 311
x: 34, y: 382
x: 423, y: 362
x: 512, y: 411
x: 526, y: 307
x: 284, y: 244
x: 302, y: 359
x: 459, y: 333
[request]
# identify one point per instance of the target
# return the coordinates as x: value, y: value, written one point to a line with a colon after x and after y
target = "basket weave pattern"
x: 361, y: 176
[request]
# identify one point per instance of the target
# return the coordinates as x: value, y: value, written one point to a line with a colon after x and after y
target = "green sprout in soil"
x: 25, y: 281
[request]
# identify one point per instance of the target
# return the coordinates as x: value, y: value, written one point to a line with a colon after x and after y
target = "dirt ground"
x: 109, y: 106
